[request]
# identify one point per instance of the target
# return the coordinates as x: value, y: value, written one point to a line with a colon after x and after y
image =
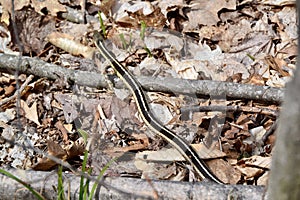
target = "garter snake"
x: 147, y: 116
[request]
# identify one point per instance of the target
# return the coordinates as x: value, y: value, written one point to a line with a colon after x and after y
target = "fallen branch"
x: 221, y: 108
x: 217, y: 89
x: 45, y: 181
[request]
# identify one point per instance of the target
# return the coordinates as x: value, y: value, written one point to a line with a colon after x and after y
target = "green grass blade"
x: 82, y: 186
x: 142, y: 36
x: 251, y: 57
x: 143, y: 30
x: 102, y: 26
x: 124, y: 43
x: 60, y: 185
x: 99, y: 177
x: 86, y: 189
x: 33, y: 191
x: 148, y: 51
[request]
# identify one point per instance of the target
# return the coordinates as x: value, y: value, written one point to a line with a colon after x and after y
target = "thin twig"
x: 17, y: 92
x: 221, y: 108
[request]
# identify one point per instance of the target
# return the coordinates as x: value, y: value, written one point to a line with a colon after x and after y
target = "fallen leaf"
x: 171, y: 155
x: 53, y: 6
x: 30, y: 112
x: 33, y: 29
x: 263, y: 180
x: 46, y: 164
x: 250, y: 172
x: 258, y: 161
x: 206, y: 12
x: 139, y: 142
x: 68, y: 152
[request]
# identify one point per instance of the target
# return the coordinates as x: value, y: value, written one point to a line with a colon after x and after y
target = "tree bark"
x: 284, y: 181
x: 123, y: 188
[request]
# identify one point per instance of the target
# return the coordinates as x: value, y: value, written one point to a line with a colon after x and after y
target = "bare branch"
x: 8, y: 63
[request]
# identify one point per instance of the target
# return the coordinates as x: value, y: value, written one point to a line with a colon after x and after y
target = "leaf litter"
x: 244, y: 42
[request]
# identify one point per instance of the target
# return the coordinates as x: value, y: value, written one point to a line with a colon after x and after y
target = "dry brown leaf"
x: 75, y: 149
x: 122, y: 111
x: 256, y: 79
x: 9, y: 90
x: 18, y: 5
x: 263, y: 180
x: 55, y: 150
x: 5, y: 39
x: 185, y: 70
x: 68, y: 105
x: 139, y: 142
x: 30, y: 112
x: 207, y: 153
x: 155, y: 19
x: 69, y: 127
x: 250, y: 172
x: 289, y: 50
x: 253, y: 167
x: 242, y: 119
x: 258, y: 161
x: 276, y: 64
x: 132, y: 15
x: 33, y: 29
x: 53, y: 6
x: 156, y: 171
x: 171, y: 155
x: 234, y: 35
x: 107, y: 6
x: 70, y: 151
x: 224, y: 171
x: 214, y: 64
x: 206, y: 12
x: 279, y: 2
x: 63, y: 131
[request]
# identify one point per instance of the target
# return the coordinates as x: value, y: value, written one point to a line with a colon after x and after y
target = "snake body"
x: 135, y: 87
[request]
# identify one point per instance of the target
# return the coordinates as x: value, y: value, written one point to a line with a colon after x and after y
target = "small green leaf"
x: 83, y: 134
x: 102, y: 26
x: 143, y: 30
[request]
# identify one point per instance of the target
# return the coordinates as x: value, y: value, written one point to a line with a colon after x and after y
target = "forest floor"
x: 59, y: 97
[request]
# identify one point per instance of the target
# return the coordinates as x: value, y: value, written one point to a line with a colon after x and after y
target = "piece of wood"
x: 124, y: 188
x: 284, y: 182
x: 218, y: 89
